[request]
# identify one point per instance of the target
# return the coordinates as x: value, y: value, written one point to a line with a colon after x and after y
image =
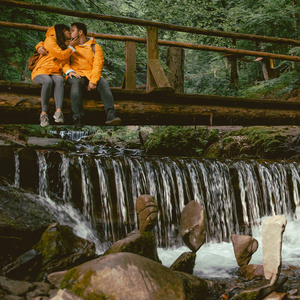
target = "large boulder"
x: 244, y: 246
x: 139, y: 242
x: 122, y: 276
x: 193, y: 225
x: 272, y: 230
x: 61, y: 249
x: 147, y: 210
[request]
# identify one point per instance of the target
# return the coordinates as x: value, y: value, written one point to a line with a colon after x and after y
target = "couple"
x: 81, y: 59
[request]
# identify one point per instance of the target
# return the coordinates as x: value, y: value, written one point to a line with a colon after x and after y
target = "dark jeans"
x: 77, y: 85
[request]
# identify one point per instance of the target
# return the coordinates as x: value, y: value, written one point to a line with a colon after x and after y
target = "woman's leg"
x: 46, y: 82
x: 58, y: 81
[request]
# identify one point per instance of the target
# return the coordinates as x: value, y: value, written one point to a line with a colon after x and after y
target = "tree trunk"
x: 175, y: 63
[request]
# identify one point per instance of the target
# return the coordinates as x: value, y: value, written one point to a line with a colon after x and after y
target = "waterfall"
x: 17, y: 170
x: 235, y: 194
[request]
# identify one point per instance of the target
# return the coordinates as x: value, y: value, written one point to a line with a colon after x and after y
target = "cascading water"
x: 95, y: 195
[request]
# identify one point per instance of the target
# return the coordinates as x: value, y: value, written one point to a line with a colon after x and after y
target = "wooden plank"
x: 152, y: 53
x: 20, y: 104
x: 133, y: 21
x: 130, y: 69
x: 158, y: 73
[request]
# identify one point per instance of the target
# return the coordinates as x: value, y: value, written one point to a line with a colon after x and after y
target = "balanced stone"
x: 244, y: 246
x: 272, y: 231
x: 193, y: 225
x: 147, y: 210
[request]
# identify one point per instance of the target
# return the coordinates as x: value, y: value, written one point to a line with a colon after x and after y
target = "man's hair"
x: 60, y: 36
x: 80, y: 26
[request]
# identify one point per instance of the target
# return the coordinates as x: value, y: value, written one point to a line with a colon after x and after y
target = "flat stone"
x: 43, y: 142
x: 250, y: 272
x: 193, y: 225
x: 147, y: 210
x: 276, y: 296
x: 244, y: 246
x: 14, y: 287
x: 272, y: 230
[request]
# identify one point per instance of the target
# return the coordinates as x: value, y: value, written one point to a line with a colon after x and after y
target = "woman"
x: 48, y: 70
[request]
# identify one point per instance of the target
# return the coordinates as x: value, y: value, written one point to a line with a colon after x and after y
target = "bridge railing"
x: 156, y: 77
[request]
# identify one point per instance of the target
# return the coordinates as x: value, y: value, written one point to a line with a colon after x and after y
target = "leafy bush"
x: 175, y: 140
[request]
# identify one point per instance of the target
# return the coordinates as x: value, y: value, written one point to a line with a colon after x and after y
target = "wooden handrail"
x: 165, y: 43
x: 133, y: 21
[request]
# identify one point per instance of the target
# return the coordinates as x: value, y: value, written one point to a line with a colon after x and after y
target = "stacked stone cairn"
x: 245, y: 246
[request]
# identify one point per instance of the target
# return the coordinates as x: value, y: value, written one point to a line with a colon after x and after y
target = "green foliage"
x: 253, y: 142
x: 174, y: 140
x: 205, y: 72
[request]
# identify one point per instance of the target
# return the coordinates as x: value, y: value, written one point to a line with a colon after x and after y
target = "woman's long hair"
x: 60, y: 36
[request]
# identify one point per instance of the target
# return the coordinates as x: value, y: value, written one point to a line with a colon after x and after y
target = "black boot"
x: 78, y: 123
x: 112, y: 119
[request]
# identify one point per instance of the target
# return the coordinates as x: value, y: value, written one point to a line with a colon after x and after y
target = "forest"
x: 204, y: 72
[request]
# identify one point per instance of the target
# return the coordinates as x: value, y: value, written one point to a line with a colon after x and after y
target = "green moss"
x: 79, y: 284
x: 247, y: 295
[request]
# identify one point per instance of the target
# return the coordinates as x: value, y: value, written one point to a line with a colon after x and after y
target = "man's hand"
x: 91, y: 86
x: 74, y: 74
x: 41, y: 50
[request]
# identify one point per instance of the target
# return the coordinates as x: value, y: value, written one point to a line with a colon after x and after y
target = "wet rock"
x: 12, y: 297
x: 193, y: 225
x: 147, y: 210
x: 260, y: 292
x: 29, y: 261
x: 184, y: 263
x: 14, y: 287
x: 61, y: 249
x: 250, y: 272
x: 123, y: 276
x: 56, y: 277
x: 66, y: 295
x: 195, y: 287
x: 272, y: 230
x: 139, y: 242
x: 276, y: 296
x: 244, y: 246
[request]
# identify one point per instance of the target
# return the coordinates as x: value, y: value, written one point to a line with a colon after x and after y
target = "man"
x: 84, y: 70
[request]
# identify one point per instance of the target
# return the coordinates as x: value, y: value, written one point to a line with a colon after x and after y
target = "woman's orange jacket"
x: 53, y: 62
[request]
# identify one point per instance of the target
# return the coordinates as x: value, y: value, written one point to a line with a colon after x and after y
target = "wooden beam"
x: 158, y: 73
x: 20, y: 104
x: 132, y: 21
x: 152, y: 53
x: 130, y: 68
x: 239, y: 52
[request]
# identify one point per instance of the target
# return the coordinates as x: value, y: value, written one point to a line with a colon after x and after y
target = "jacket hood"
x: 90, y: 40
x: 50, y: 31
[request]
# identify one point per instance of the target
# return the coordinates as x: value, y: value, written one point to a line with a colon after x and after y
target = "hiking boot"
x: 78, y: 124
x: 58, y: 117
x: 112, y: 119
x: 44, y: 120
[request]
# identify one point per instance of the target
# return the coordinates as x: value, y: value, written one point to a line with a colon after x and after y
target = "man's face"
x: 74, y: 32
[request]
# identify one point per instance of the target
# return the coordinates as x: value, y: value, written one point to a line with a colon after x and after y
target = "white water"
x: 217, y: 260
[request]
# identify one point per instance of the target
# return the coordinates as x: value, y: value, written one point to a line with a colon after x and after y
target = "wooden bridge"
x: 161, y: 103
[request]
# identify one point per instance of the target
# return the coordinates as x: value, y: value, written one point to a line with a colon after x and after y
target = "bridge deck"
x: 20, y: 104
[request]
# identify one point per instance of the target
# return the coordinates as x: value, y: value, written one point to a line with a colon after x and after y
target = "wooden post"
x: 175, y: 62
x: 234, y: 78
x: 152, y: 53
x: 130, y: 69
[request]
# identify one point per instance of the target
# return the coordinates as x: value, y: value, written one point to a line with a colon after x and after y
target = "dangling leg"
x: 46, y: 82
x: 58, y: 81
x: 108, y: 101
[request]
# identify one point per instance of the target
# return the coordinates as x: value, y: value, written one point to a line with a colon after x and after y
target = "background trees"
x: 205, y: 72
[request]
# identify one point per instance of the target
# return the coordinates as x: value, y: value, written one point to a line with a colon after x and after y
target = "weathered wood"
x: 20, y: 104
x: 130, y: 68
x: 132, y: 21
x: 152, y: 53
x: 175, y: 63
x: 238, y: 52
x: 158, y: 73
